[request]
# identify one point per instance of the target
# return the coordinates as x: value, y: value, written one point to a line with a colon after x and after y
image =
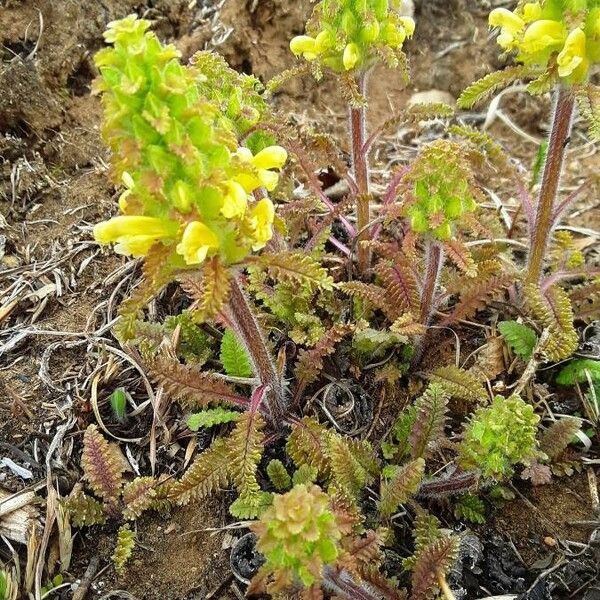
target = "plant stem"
x: 433, y: 260
x: 543, y: 224
x: 444, y: 587
x: 358, y: 130
x: 244, y: 323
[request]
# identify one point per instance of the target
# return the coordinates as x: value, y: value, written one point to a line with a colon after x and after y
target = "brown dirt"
x: 54, y: 185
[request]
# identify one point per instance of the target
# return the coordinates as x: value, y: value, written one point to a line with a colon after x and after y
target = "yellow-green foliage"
x: 298, y: 535
x: 123, y: 549
x: 500, y: 436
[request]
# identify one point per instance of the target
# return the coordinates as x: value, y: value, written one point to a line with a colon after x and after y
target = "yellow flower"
x: 196, y: 242
x: 262, y: 220
x: 351, y: 56
x: 511, y: 26
x: 304, y: 45
x: 543, y: 35
x: 235, y: 202
x: 134, y: 235
x: 127, y: 179
x: 273, y: 157
x: 573, y: 54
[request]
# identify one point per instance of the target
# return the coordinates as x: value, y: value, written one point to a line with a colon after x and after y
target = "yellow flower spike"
x: 532, y: 11
x: 272, y: 157
x: 134, y: 235
x: 196, y: 242
x: 543, y: 35
x: 235, y: 202
x: 573, y: 54
x: 351, y: 56
x: 409, y: 25
x: 302, y: 44
x: 262, y: 220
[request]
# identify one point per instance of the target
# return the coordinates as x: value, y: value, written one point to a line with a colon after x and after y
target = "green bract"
x: 175, y: 147
x: 349, y: 34
x: 298, y: 535
x: 440, y: 190
x: 499, y: 437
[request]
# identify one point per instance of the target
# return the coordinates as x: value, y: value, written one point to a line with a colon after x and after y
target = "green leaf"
x: 489, y: 84
x: 118, y: 403
x: 252, y: 506
x: 234, y: 356
x: 575, y: 371
x: 521, y: 339
x: 211, y: 417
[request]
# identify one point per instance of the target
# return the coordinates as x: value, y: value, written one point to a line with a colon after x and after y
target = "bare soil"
x: 60, y: 290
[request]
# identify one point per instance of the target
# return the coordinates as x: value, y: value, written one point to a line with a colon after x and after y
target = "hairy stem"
x: 358, y: 130
x: 433, y: 260
x: 239, y: 313
x: 544, y: 221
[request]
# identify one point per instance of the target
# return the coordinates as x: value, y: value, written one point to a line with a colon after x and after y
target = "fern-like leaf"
x: 485, y: 87
x: 251, y: 506
x: 305, y: 445
x: 552, y: 309
x: 304, y: 475
x: 434, y: 560
x: 428, y: 427
x: 123, y: 549
x: 402, y: 288
x: 351, y: 463
x: 401, y: 486
x: 103, y: 465
x: 310, y: 361
x: 461, y: 256
x: 205, y: 475
x: 83, y: 509
x: 210, y: 289
x: 371, y: 293
x: 187, y: 383
x: 470, y: 508
x: 459, y: 383
x: 211, y: 417
x: 476, y: 294
x: 234, y: 357
x: 295, y: 267
x: 278, y: 475
x: 138, y: 495
x: 521, y: 339
x: 246, y: 445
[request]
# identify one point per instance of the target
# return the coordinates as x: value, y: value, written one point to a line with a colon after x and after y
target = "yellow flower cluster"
x: 558, y: 34
x: 347, y: 34
x: 189, y: 185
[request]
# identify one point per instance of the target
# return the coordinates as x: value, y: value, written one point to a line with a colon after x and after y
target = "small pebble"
x: 550, y: 541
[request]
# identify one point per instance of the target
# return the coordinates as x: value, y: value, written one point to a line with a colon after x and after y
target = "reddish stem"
x: 239, y: 313
x: 433, y: 261
x: 358, y: 130
x: 543, y: 224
